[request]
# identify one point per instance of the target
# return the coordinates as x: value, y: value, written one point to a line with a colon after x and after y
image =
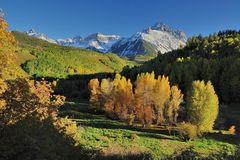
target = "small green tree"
x: 202, y: 106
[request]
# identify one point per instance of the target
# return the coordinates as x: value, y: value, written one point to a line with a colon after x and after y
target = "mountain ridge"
x: 159, y: 38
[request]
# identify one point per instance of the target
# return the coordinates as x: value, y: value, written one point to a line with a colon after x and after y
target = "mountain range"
x: 159, y: 38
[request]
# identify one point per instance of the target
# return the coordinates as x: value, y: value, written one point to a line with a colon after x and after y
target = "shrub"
x: 68, y: 126
x: 187, y: 131
x: 130, y: 119
x: 232, y: 130
x: 134, y: 136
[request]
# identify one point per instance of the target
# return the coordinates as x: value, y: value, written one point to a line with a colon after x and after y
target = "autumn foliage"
x: 30, y: 125
x: 202, y: 105
x: 151, y: 100
x: 7, y: 49
x: 22, y: 98
x: 232, y: 130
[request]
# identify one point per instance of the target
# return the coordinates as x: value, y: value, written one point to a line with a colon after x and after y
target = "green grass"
x: 141, y: 58
x: 111, y: 136
x: 43, y: 59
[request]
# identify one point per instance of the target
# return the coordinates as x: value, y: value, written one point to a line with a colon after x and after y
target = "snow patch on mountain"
x: 36, y: 34
x: 160, y: 37
x: 97, y: 41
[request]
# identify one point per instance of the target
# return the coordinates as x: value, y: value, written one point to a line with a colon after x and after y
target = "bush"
x: 134, y: 136
x: 68, y: 126
x: 187, y: 131
x: 232, y: 130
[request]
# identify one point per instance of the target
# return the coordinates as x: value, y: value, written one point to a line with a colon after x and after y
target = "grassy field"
x: 117, y: 140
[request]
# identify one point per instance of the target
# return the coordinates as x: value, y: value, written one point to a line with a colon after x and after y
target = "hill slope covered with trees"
x: 44, y: 59
x: 215, y: 58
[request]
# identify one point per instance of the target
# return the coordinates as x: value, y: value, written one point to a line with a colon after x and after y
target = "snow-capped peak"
x: 101, y: 37
x: 159, y: 37
x: 161, y: 27
x: 32, y: 32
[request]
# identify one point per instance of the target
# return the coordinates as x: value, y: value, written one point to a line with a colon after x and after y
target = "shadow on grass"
x: 232, y: 139
x: 33, y: 139
x: 156, y: 136
x: 138, y: 156
x: 87, y: 116
x: 83, y: 107
x: 100, y: 121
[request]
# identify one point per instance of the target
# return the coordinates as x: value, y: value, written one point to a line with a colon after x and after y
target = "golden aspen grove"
x: 152, y: 100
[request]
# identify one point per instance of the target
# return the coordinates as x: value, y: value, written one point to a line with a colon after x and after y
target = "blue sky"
x: 67, y: 18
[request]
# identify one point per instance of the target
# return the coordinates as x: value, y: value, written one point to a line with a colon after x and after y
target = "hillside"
x: 44, y: 59
x: 215, y: 58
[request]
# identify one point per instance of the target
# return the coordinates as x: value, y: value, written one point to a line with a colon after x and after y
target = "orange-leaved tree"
x: 161, y: 97
x: 94, y: 89
x: 122, y: 91
x: 144, y: 97
x: 26, y: 98
x: 7, y: 49
x: 172, y: 108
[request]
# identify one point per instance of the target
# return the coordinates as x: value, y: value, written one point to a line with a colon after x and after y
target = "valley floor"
x: 111, y: 139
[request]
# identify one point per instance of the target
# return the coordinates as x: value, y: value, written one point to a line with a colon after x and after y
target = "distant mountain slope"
x: 51, y: 60
x: 97, y: 42
x: 159, y: 38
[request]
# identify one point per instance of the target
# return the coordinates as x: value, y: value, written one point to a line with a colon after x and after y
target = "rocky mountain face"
x: 159, y: 38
